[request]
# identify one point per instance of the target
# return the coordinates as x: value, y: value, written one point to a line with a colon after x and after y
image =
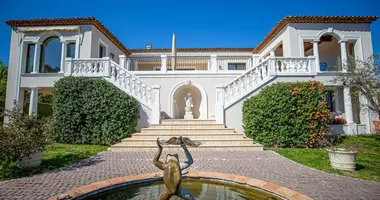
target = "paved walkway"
x: 264, y: 165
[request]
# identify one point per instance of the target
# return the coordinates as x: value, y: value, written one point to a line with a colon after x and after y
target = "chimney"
x: 149, y: 46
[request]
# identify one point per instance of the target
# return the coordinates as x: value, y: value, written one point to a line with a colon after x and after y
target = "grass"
x: 367, y: 163
x: 55, y: 156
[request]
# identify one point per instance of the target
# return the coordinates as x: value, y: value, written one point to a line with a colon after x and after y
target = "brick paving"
x: 264, y: 165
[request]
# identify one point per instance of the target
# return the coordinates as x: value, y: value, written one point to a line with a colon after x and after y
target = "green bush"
x: 22, y: 136
x: 43, y: 109
x: 92, y: 111
x: 288, y: 115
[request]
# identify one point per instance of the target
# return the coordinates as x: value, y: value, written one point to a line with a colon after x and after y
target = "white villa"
x: 298, y: 48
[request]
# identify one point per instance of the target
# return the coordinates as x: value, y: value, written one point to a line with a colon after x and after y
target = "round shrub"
x: 92, y: 111
x: 293, y: 114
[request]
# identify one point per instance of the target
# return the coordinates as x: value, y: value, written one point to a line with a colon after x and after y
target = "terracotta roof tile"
x: 312, y: 20
x: 248, y: 49
x: 70, y: 21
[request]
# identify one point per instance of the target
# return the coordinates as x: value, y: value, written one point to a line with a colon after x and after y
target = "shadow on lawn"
x: 58, y: 163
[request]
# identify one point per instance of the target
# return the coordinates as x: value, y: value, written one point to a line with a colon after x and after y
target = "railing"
x: 291, y: 65
x: 213, y: 62
x: 131, y: 84
x: 189, y: 62
x: 112, y: 72
x: 258, y: 75
x: 151, y: 63
x: 229, y: 62
x: 330, y: 63
x: 92, y: 67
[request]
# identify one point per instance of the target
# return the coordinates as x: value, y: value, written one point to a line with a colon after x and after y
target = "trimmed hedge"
x: 43, y: 109
x: 92, y: 111
x: 293, y: 114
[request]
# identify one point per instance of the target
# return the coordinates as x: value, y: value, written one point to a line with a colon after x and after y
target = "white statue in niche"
x: 189, y: 105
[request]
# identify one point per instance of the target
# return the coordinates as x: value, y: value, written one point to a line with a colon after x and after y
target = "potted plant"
x: 343, y: 156
x: 363, y: 79
x: 23, y: 139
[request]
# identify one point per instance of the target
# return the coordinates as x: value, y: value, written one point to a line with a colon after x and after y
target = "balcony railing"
x: 330, y: 63
x: 186, y: 63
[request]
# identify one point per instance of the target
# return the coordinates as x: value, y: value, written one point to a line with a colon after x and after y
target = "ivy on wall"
x: 92, y: 111
x: 293, y: 114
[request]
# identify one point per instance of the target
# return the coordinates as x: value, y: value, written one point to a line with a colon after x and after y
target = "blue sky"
x: 237, y: 23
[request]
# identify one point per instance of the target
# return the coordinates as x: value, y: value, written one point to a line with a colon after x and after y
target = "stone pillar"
x: 164, y: 59
x: 63, y: 56
x: 36, y: 61
x: 214, y: 63
x: 271, y: 52
x: 69, y: 66
x: 156, y: 106
x: 219, y: 104
x: 316, y: 54
x: 128, y: 64
x: 343, y: 54
x: 122, y: 61
x: 33, y: 100
x: 348, y: 111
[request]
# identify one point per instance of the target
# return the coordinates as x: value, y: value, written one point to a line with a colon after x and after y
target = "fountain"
x: 177, y: 183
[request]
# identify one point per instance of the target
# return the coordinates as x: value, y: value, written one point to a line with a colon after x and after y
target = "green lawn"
x: 367, y: 164
x: 55, y: 156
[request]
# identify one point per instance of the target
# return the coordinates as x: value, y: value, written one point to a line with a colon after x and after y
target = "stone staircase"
x: 214, y: 137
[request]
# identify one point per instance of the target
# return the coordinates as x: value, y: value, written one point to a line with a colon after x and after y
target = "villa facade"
x: 300, y: 48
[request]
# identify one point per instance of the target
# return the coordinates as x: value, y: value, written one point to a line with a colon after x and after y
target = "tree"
x: 3, y: 87
x: 363, y: 76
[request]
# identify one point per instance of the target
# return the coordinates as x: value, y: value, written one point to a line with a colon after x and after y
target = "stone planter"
x: 376, y: 123
x: 34, y: 161
x: 342, y: 159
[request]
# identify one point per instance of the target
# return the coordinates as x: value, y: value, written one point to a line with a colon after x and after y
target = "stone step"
x: 196, y: 136
x: 184, y: 121
x: 121, y: 147
x: 207, y: 142
x: 188, y: 130
x: 181, y: 126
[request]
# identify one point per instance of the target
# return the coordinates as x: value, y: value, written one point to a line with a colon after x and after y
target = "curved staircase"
x: 214, y: 137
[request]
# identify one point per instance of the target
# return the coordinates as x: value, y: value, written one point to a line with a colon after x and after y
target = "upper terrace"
x: 44, y: 44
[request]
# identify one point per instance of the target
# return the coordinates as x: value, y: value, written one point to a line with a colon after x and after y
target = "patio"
x: 264, y: 165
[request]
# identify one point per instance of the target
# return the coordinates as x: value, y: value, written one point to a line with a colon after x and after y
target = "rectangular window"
x: 236, y: 66
x: 330, y: 100
x: 70, y: 53
x: 29, y: 58
x: 102, y: 51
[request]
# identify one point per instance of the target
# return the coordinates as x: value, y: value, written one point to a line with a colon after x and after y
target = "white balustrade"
x: 118, y: 76
x: 258, y: 75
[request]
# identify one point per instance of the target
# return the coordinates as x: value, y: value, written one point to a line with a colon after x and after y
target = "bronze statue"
x: 173, y: 169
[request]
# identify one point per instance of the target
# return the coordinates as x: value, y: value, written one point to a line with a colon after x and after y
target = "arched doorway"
x: 177, y: 100
x: 329, y: 53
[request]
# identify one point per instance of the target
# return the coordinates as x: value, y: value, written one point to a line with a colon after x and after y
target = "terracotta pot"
x: 376, y: 123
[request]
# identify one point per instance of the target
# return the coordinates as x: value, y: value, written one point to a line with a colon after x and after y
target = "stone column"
x: 164, y: 59
x: 36, y: 61
x: 128, y: 65
x: 348, y: 111
x: 214, y: 63
x: 219, y: 104
x: 316, y: 54
x: 63, y: 56
x: 156, y: 106
x: 122, y: 61
x: 343, y: 54
x: 272, y: 52
x: 33, y: 100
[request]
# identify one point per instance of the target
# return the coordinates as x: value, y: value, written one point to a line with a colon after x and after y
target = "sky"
x: 234, y: 23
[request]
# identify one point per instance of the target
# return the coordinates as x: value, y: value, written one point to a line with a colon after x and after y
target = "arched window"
x: 51, y: 55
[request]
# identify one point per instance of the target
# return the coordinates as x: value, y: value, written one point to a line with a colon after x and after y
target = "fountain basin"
x: 202, y: 185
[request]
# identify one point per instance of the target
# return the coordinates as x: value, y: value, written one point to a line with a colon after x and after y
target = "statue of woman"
x: 189, y: 103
